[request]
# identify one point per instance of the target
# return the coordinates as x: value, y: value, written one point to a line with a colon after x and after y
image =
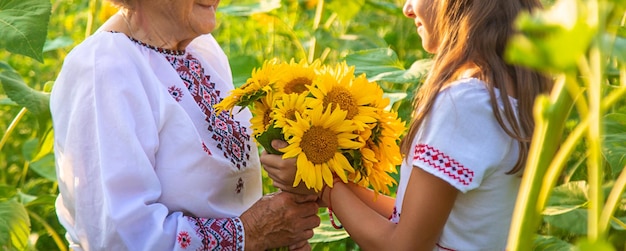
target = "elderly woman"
x: 143, y: 161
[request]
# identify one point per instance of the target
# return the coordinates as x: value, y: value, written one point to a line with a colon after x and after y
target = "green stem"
x: 568, y: 146
x: 12, y: 127
x: 550, y: 116
x: 292, y: 35
x: 594, y: 150
x: 24, y: 173
x: 55, y: 236
x: 613, y: 200
x: 91, y: 16
x: 316, y: 23
x: 582, y: 107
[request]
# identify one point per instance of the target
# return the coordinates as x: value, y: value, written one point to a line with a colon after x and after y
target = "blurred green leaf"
x: 615, y: 142
x: 619, y: 223
x: 45, y: 145
x: 557, y: 210
x: 566, y: 207
x: 57, y: 43
x: 599, y: 245
x: 551, y: 243
x: 615, y: 46
x: 45, y: 167
x: 574, y: 221
x: 5, y: 66
x: 35, y: 101
x: 14, y: 225
x: 569, y: 194
x: 24, y: 26
x: 386, y: 6
x: 7, y: 192
x: 552, y: 39
x: 382, y: 64
x: 242, y: 67
x: 42, y: 200
x: 7, y: 101
x: 29, y: 148
x: 345, y: 9
x: 262, y: 6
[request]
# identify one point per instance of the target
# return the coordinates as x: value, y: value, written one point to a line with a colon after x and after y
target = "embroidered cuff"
x: 212, y: 234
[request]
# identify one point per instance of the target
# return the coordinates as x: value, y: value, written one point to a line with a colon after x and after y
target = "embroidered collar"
x: 164, y: 51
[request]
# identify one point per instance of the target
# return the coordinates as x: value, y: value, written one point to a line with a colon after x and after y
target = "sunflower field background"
x: 572, y: 197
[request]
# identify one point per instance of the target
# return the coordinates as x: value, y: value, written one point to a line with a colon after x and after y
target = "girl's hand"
x: 283, y: 171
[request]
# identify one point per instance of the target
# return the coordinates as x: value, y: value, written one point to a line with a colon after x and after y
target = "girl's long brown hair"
x: 475, y: 32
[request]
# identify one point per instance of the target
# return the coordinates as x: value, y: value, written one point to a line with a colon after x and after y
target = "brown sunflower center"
x: 291, y: 114
x: 297, y: 85
x: 342, y: 97
x: 319, y: 144
x: 267, y: 118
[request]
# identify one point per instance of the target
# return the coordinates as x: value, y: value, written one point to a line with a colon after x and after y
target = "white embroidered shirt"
x: 143, y: 162
x: 462, y: 143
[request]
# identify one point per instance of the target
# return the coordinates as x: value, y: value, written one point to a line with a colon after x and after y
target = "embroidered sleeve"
x: 460, y: 141
x: 210, y: 234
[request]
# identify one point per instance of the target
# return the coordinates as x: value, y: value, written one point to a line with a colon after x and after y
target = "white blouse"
x: 462, y: 143
x: 143, y: 162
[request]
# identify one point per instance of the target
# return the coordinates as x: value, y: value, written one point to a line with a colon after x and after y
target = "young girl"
x: 466, y: 146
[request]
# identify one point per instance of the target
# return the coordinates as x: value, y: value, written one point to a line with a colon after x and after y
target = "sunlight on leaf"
x: 14, y: 225
x: 346, y: 10
x: 383, y: 65
x: 249, y: 9
x: 552, y: 39
x: 557, y: 210
x: 599, y: 245
x: 45, y: 167
x: 572, y: 193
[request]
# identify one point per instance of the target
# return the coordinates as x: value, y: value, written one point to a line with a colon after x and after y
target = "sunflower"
x: 380, y: 153
x: 353, y: 95
x: 341, y: 72
x: 287, y: 107
x: 296, y: 77
x: 317, y: 142
x: 334, y: 122
x: 262, y: 115
x: 375, y: 168
x: 373, y: 172
x: 256, y: 87
x: 387, y: 135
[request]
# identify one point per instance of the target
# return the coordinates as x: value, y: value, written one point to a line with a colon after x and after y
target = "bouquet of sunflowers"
x: 334, y: 122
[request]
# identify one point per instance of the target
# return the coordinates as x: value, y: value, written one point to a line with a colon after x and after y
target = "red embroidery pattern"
x: 206, y: 149
x: 443, y: 163
x: 219, y: 234
x: 176, y: 93
x: 239, y: 185
x: 444, y: 248
x: 395, y: 216
x: 183, y: 239
x: 228, y: 134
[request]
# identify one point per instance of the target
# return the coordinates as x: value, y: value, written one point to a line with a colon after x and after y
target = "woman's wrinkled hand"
x: 280, y: 219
